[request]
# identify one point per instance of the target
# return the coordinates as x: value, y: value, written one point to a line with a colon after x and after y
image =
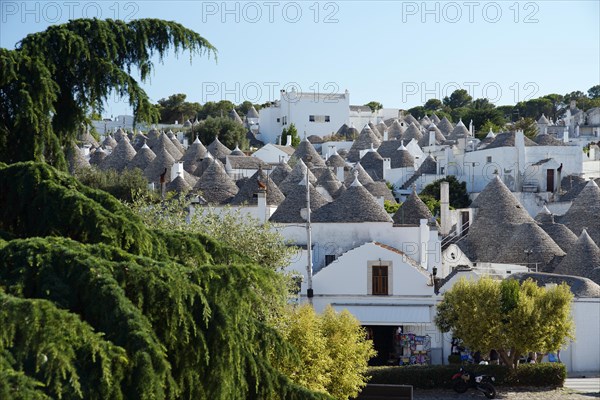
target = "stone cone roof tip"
x: 289, y: 211
x: 412, y: 211
x: 529, y: 244
x: 584, y: 207
x: 355, y: 204
x: 247, y: 193
x: 583, y: 258
x: 215, y: 185
x: 306, y: 151
x: 297, y: 174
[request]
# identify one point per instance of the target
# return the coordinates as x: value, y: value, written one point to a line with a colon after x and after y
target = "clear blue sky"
x: 397, y: 52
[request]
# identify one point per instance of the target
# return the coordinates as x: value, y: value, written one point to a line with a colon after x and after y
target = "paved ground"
x: 576, y: 388
x: 508, y: 393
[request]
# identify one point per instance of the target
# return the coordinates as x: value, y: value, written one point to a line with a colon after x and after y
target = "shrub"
x: 439, y: 376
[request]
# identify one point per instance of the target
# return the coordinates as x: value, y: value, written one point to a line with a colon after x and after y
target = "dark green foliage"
x: 170, y: 316
x: 290, y: 131
x: 459, y: 198
x: 51, y: 81
x: 230, y: 133
x: 122, y: 185
x: 175, y: 108
x: 439, y: 376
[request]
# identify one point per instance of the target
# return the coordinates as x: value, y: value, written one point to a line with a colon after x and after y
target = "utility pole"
x: 309, y: 269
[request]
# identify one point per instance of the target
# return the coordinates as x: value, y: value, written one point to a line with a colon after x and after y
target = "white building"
x: 319, y: 114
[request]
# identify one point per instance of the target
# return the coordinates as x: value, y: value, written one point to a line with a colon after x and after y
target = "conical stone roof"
x: 499, y: 213
x: 409, y: 119
x: 380, y: 189
x: 329, y: 181
x: 248, y: 191
x: 529, y: 245
x: 109, y: 141
x: 280, y: 172
x: 87, y: 138
x: 435, y: 119
x: 356, y: 204
x: 252, y: 113
x: 215, y: 186
x: 75, y: 159
x: 401, y: 158
x: 445, y: 126
x: 178, y: 185
x: 142, y: 159
x: 335, y: 161
x: 375, y: 130
x: 365, y: 140
x: 195, y: 153
x: 289, y: 211
x: 234, y: 116
x: 218, y: 149
x: 584, y: 212
x: 439, y: 137
x: 413, y: 132
x: 121, y: 155
x: 381, y: 127
x: 98, y: 156
x: 412, y: 211
x: 163, y: 142
x: 363, y: 177
x: 161, y: 163
x: 396, y: 130
x: 460, y: 131
x: 548, y: 140
x: 583, y: 258
x: 176, y: 142
x: 305, y: 150
x: 295, y: 176
x: 372, y: 162
x: 237, y: 152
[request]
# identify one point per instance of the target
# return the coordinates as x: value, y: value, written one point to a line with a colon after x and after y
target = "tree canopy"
x: 229, y: 132
x: 374, y: 106
x: 459, y: 197
x: 291, y: 130
x: 97, y: 305
x: 53, y: 79
x: 175, y: 108
x: 507, y: 316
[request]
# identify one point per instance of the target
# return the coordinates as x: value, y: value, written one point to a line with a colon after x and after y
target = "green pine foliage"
x: 52, y: 79
x: 98, y: 306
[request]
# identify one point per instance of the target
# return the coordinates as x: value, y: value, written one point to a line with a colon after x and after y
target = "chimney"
x: 380, y: 201
x: 423, y: 240
x: 387, y: 165
x: 339, y: 173
x: 432, y: 138
x: 566, y: 135
x: 262, y: 205
x: 385, y: 135
x: 445, y: 208
x: 289, y: 140
x: 177, y: 169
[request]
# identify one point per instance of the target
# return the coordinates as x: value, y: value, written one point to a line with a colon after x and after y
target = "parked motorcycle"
x: 463, y: 380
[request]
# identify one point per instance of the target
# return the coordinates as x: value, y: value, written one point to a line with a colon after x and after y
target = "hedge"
x: 439, y: 376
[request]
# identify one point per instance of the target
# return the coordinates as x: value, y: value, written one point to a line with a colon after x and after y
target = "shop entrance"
x: 394, y: 346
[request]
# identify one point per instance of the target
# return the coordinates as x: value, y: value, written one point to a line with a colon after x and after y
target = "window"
x: 329, y: 258
x: 380, y: 280
x: 278, y: 119
x: 319, y: 118
x: 489, y: 159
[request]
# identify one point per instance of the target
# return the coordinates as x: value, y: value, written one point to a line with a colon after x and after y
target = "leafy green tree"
x: 175, y: 108
x: 230, y: 133
x: 433, y: 105
x: 594, y: 92
x: 124, y: 185
x: 98, y: 305
x: 374, y: 106
x: 558, y: 105
x: 333, y: 351
x: 458, y: 98
x: 220, y: 109
x: 486, y: 127
x: 291, y: 130
x: 390, y: 207
x: 418, y: 112
x: 52, y: 80
x: 512, y: 318
x: 527, y: 125
x: 480, y: 116
x: 459, y: 197
x: 242, y: 108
